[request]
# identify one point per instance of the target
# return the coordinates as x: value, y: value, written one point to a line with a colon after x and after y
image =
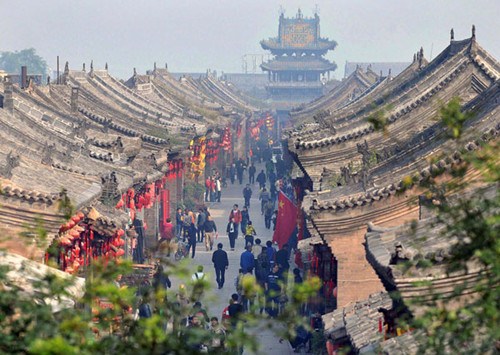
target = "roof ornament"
x: 299, y: 14
x: 452, y: 35
x: 154, y: 66
x: 83, y: 67
x: 106, y: 66
x: 48, y: 80
x: 414, y: 57
x: 390, y: 73
x: 92, y: 65
x: 166, y: 65
x: 473, y: 31
x: 421, y: 57
x: 66, y: 68
x: 12, y: 162
x: 135, y: 72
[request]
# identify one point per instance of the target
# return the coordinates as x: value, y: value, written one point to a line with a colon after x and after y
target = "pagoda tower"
x: 298, y: 65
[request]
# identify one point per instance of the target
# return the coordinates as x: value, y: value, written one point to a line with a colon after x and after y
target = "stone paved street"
x: 217, y: 300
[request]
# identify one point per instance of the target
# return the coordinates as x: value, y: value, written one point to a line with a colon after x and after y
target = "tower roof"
x: 299, y: 33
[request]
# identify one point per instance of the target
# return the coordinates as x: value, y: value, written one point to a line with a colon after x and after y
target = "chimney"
x: 8, y: 102
x: 24, y: 77
x: 74, y: 99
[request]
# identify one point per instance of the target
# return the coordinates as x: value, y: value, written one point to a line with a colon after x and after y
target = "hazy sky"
x: 193, y: 35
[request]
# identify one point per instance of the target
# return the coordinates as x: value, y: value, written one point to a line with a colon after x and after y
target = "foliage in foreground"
x: 468, y: 209
x: 103, y: 321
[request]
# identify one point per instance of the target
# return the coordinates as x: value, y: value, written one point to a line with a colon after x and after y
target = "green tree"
x: 469, y: 212
x: 11, y: 62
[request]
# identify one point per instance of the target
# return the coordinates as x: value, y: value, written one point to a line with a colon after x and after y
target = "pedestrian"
x: 273, y: 291
x: 161, y: 279
x: 212, y: 189
x: 236, y: 214
x: 187, y: 222
x: 167, y: 234
x: 296, y: 276
x: 271, y: 254
x: 232, y: 233
x: 248, y: 290
x: 256, y: 249
x: 192, y: 239
x: 249, y: 234
x: 178, y: 223
x: 232, y: 173
x: 272, y: 177
x: 235, y: 310
x: 200, y: 311
x: 217, y: 345
x: 210, y: 233
x: 218, y: 189
x: 240, y: 168
x: 264, y: 197
x: 251, y: 174
x: 245, y: 217
x: 200, y: 224
x: 198, y: 282
x: 261, y: 179
x: 282, y: 257
x: 261, y: 273
x: 208, y: 185
x: 274, y: 219
x: 268, y: 213
x: 221, y: 264
x: 246, y: 260
x: 247, y: 194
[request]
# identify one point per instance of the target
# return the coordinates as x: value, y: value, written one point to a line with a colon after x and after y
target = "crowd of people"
x: 261, y: 284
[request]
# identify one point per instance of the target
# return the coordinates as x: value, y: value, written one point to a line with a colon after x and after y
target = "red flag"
x: 286, y: 221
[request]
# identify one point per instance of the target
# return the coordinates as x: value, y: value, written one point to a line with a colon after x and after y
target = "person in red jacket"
x: 236, y: 214
x: 166, y: 235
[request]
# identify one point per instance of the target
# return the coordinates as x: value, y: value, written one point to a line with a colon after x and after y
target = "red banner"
x: 286, y: 220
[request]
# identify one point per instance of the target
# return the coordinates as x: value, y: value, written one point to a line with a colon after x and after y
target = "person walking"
x: 240, y: 168
x: 251, y: 174
x: 217, y: 344
x: 261, y: 273
x: 245, y: 217
x: 282, y: 257
x: 208, y: 185
x: 247, y: 194
x: 264, y: 197
x: 249, y: 234
x: 268, y: 213
x: 200, y: 224
x: 271, y: 253
x: 261, y: 179
x: 218, y: 189
x: 167, y: 234
x: 236, y: 214
x: 178, y: 222
x: 221, y: 264
x: 210, y: 232
x: 198, y: 282
x: 235, y: 310
x: 273, y: 291
x: 191, y: 235
x: 232, y: 232
x: 212, y: 189
x: 187, y: 222
x: 246, y: 260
